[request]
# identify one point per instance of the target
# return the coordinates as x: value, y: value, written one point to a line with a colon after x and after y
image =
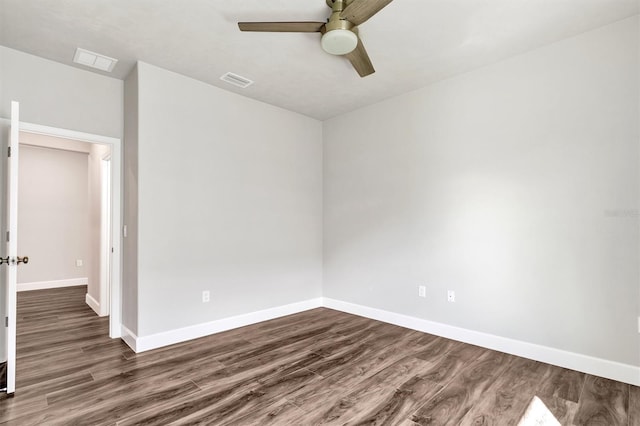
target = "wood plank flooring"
x: 314, y: 368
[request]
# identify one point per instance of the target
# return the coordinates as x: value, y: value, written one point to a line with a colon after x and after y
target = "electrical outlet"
x: 206, y: 296
x: 451, y: 296
x: 78, y: 262
x: 422, y: 291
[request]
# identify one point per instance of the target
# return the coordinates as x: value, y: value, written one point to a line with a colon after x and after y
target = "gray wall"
x: 53, y: 214
x: 515, y: 185
x: 55, y: 95
x: 130, y: 205
x: 61, y: 96
x: 230, y: 201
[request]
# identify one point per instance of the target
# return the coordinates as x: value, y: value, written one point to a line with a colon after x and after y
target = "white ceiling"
x: 411, y: 42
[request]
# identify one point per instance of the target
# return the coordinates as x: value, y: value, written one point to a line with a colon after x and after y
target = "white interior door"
x: 12, y: 244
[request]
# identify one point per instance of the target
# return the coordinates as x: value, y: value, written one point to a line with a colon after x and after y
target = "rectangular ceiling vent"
x: 94, y: 60
x: 236, y: 80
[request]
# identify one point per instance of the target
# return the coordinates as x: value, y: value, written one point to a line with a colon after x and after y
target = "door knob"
x: 14, y: 260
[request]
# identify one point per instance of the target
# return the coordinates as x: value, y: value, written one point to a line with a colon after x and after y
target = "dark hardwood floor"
x: 317, y: 367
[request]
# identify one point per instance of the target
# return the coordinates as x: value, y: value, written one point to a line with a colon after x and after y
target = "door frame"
x: 105, y: 234
x: 115, y: 297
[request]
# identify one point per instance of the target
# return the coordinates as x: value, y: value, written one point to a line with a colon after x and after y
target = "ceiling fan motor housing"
x: 340, y: 37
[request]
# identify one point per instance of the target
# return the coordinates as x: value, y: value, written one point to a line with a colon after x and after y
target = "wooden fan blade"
x: 360, y: 60
x: 282, y: 27
x: 361, y: 10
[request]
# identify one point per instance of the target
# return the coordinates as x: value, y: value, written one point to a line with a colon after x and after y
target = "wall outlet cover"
x: 422, y: 291
x: 451, y: 296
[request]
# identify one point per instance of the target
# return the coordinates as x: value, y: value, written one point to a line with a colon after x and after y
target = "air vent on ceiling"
x: 94, y: 60
x: 236, y: 80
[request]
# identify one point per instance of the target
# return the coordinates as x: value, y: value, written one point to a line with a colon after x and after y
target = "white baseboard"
x: 93, y: 304
x: 153, y: 341
x: 597, y: 366
x: 43, y: 285
x: 129, y: 337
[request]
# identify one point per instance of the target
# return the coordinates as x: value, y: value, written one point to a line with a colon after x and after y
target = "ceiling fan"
x: 339, y: 33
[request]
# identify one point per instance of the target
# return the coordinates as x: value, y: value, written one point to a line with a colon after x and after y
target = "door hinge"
x: 9, y: 152
x: 6, y: 321
x: 8, y: 235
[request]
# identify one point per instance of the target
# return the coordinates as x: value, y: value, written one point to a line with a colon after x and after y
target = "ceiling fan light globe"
x: 339, y: 41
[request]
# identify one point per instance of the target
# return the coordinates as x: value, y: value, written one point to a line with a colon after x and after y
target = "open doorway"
x: 64, y: 217
x: 114, y: 297
x: 112, y: 323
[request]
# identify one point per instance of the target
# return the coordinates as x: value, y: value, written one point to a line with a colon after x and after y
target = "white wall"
x: 515, y: 185
x: 53, y: 214
x: 55, y: 95
x: 229, y: 200
x: 58, y: 95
